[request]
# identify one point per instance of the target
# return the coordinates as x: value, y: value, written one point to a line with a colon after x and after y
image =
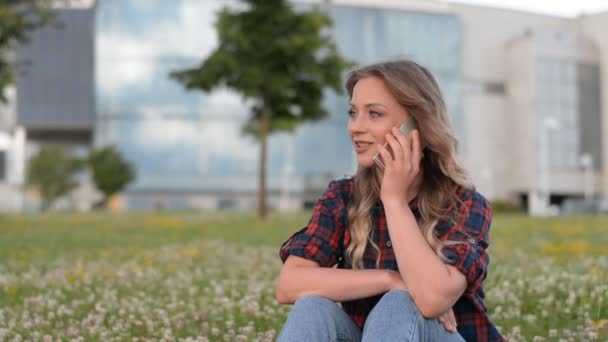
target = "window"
x: 2, y: 165
x: 557, y: 99
x: 589, y: 109
x: 496, y: 88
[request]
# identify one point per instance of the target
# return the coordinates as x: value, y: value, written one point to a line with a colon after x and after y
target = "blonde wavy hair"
x: 417, y: 91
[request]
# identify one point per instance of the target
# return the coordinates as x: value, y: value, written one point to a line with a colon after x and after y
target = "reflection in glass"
x: 181, y: 140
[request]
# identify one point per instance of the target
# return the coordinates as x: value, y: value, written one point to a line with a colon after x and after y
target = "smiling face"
x: 373, y: 113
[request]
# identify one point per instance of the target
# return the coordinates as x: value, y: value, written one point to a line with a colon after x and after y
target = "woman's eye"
x: 375, y: 114
x: 351, y: 113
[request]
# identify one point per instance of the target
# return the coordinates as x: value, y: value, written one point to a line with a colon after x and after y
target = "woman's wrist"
x: 396, y: 205
x: 388, y: 280
x: 394, y: 281
x: 393, y: 202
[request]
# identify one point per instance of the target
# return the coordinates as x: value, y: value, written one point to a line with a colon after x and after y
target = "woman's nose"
x: 356, y: 125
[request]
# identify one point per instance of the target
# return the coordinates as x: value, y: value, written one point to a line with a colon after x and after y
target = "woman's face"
x: 373, y: 113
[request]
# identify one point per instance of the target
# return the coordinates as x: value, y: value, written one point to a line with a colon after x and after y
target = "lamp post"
x: 549, y: 123
x: 587, y: 164
x: 287, y: 175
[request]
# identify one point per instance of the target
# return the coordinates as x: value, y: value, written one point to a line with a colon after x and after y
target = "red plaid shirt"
x: 326, y: 236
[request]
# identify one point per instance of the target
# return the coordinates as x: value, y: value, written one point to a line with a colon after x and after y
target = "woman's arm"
x: 433, y: 285
x: 301, y: 277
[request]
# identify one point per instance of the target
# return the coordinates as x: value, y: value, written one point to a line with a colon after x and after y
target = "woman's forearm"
x: 335, y: 284
x: 433, y: 285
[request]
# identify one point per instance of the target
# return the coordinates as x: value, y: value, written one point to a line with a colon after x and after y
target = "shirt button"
x: 472, y: 241
x: 389, y: 243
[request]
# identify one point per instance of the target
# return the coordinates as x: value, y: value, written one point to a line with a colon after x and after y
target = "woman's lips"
x: 362, y: 146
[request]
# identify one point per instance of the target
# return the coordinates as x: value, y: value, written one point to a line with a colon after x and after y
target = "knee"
x: 400, y: 299
x: 310, y: 304
x: 395, y: 317
x: 312, y: 318
x: 312, y: 301
x: 397, y: 294
x: 316, y: 318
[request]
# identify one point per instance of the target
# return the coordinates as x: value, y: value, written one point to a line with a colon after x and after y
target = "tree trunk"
x: 104, y: 202
x: 45, y: 205
x: 264, y: 123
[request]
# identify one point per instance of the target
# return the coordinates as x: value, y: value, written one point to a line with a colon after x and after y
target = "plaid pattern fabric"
x: 326, y: 236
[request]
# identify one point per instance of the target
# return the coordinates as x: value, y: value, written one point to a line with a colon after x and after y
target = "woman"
x: 409, y: 240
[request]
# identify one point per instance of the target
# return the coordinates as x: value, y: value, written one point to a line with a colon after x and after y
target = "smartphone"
x: 407, y: 127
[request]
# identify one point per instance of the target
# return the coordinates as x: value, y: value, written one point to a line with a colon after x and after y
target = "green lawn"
x: 210, y: 276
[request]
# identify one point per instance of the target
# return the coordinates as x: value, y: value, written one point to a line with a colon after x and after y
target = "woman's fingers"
x: 410, y: 147
x: 452, y: 320
x: 395, y: 145
x: 416, y: 150
x: 444, y: 321
x: 386, y: 155
x: 404, y: 150
x: 449, y: 321
x: 403, y: 140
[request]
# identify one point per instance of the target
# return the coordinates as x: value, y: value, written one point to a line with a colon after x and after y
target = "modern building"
x: 528, y: 95
x: 52, y: 102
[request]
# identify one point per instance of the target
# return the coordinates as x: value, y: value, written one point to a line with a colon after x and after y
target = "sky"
x: 566, y: 8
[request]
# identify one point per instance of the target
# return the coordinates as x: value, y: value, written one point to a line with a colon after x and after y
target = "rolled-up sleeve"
x: 467, y: 238
x: 322, y: 239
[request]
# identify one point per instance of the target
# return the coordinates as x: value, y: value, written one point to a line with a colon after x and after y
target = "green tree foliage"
x: 51, y: 172
x: 277, y: 57
x: 18, y: 18
x: 111, y: 172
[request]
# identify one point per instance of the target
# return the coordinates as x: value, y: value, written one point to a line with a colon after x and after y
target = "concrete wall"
x: 519, y: 103
x: 8, y: 109
x: 494, y: 154
x: 13, y: 143
x: 595, y: 27
x: 499, y: 146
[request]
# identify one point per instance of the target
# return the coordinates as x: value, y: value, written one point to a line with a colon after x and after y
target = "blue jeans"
x: 394, y: 318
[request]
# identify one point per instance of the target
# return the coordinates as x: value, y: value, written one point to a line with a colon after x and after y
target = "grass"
x: 203, y: 276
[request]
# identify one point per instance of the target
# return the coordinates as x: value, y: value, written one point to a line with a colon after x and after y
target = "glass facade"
x: 58, y: 66
x: 191, y: 141
x: 568, y: 92
x: 557, y: 99
x: 590, y: 113
x: 2, y: 166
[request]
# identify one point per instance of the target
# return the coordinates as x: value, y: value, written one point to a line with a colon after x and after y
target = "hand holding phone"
x: 407, y: 127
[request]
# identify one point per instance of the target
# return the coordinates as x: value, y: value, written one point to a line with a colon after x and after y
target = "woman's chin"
x: 365, y: 162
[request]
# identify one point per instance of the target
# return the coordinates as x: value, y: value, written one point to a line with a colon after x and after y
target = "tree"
x: 111, y: 173
x: 280, y: 59
x: 18, y: 18
x: 52, y: 173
